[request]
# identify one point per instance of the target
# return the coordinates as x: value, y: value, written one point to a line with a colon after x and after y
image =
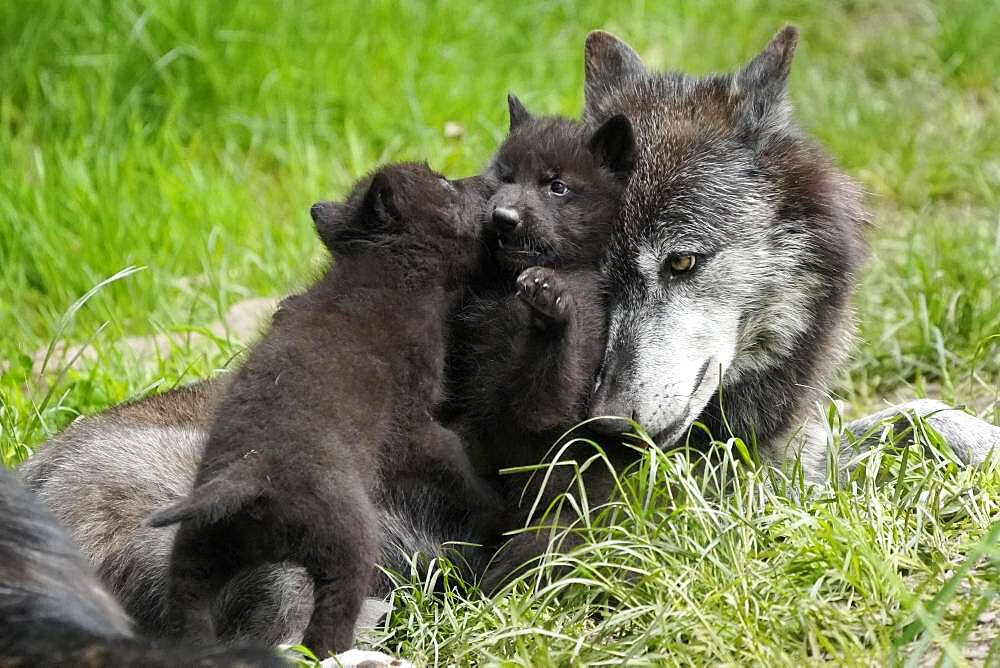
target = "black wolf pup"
x: 334, y: 407
x: 529, y: 341
x: 55, y: 611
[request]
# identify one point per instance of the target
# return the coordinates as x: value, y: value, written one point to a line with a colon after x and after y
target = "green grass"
x: 190, y: 139
x: 892, y: 566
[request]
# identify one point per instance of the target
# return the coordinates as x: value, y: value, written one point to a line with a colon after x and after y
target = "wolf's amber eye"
x: 558, y: 187
x: 682, y: 263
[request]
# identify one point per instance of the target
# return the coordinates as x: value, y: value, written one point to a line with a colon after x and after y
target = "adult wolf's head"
x: 734, y: 252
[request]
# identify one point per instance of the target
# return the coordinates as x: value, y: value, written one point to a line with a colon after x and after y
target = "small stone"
x: 453, y: 130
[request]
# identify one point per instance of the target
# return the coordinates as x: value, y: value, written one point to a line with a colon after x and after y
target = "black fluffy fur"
x: 529, y: 339
x: 334, y: 406
x: 54, y: 611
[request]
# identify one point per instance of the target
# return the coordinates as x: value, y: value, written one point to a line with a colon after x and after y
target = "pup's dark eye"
x: 681, y: 264
x: 559, y: 188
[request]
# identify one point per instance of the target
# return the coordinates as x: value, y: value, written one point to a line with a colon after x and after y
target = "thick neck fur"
x: 765, y: 406
x: 407, y: 271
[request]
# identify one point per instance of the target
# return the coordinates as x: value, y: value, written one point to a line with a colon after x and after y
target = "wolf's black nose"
x: 505, y: 218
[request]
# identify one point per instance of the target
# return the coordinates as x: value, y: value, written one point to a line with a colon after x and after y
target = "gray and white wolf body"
x: 55, y: 611
x: 732, y: 265
x: 105, y: 474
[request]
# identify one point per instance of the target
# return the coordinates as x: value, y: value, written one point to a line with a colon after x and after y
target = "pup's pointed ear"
x: 766, y: 75
x: 607, y: 61
x: 329, y: 218
x: 613, y: 144
x: 379, y: 203
x: 518, y: 112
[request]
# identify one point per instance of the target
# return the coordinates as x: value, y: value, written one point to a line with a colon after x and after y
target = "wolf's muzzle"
x: 610, y: 426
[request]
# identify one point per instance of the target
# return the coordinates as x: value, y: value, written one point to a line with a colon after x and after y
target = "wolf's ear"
x: 613, y: 144
x: 765, y: 77
x: 606, y: 62
x: 769, y: 68
x: 518, y: 112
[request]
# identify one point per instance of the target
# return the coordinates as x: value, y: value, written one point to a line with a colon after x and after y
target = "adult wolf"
x: 733, y: 262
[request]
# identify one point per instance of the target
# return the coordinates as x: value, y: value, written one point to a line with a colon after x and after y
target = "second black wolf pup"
x: 334, y: 406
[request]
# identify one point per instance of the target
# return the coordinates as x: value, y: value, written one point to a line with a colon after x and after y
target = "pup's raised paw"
x: 545, y: 291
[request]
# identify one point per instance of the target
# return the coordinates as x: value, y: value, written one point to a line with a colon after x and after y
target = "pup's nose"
x: 320, y: 211
x: 505, y: 218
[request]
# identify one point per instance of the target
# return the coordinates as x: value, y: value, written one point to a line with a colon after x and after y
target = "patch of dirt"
x: 242, y: 322
x: 977, y: 646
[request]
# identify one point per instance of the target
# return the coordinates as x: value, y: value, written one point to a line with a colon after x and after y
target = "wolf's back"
x: 104, y: 475
x: 55, y: 611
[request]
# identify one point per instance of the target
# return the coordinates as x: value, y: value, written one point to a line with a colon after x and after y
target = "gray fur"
x: 971, y: 440
x: 54, y: 610
x: 44, y: 580
x: 105, y: 474
x: 747, y: 341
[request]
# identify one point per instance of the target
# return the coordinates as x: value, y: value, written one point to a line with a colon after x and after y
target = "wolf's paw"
x: 545, y: 291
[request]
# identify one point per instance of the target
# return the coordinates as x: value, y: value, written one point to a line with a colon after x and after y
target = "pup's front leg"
x: 564, y: 314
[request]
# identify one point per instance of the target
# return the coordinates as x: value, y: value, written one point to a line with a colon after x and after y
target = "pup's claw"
x: 544, y: 290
